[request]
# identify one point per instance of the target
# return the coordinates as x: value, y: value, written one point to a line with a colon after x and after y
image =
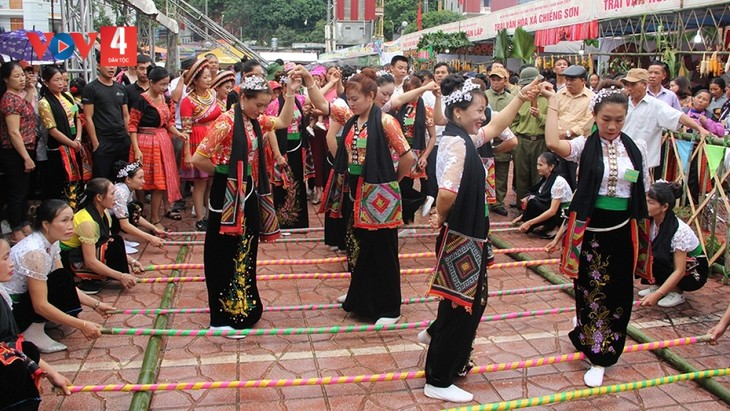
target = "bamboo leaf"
x: 523, y: 45
x: 502, y: 45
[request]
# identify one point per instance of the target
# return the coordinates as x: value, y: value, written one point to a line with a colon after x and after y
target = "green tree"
x: 397, y: 11
x: 262, y: 20
x: 101, y: 19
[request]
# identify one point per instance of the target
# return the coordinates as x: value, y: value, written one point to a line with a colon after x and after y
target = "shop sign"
x: 540, y: 15
x: 625, y: 8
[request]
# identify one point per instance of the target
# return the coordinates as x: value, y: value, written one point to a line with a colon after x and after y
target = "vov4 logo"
x: 117, y: 45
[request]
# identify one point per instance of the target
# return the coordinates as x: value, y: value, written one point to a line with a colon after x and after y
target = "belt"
x: 223, y: 169
x: 531, y: 138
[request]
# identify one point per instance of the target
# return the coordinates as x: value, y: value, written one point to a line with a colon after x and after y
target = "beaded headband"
x: 463, y: 94
x: 123, y: 173
x: 603, y: 93
x: 254, y: 83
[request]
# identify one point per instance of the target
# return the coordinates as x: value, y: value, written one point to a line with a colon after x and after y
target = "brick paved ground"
x: 117, y: 359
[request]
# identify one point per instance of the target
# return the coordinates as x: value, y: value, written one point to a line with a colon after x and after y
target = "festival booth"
x: 360, y: 56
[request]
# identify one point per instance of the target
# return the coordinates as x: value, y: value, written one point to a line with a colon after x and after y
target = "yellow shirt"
x: 573, y: 112
x: 86, y: 230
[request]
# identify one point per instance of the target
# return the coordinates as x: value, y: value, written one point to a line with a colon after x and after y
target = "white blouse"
x: 560, y: 190
x: 33, y: 257
x: 623, y: 186
x: 122, y: 198
x: 451, y: 154
x: 684, y: 238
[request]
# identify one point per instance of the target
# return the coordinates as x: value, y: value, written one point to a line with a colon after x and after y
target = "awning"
x: 573, y: 32
x: 224, y: 56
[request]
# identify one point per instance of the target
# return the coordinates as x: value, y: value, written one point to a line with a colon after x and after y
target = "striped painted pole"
x: 312, y: 307
x: 344, y: 274
x: 390, y: 376
x: 329, y: 260
x: 592, y: 392
x: 345, y: 329
x: 318, y: 229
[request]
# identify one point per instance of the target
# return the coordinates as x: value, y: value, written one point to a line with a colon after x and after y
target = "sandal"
x: 173, y: 215
x: 158, y: 225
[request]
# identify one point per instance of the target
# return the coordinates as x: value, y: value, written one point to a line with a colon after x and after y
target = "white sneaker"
x: 193, y: 213
x: 228, y: 328
x: 594, y: 376
x: 320, y: 125
x: 333, y: 248
x: 647, y: 291
x: 310, y: 130
x: 424, y: 337
x: 451, y: 393
x: 285, y: 233
x: 387, y: 320
x: 131, y: 243
x: 406, y: 232
x: 672, y: 299
x: 36, y: 334
x: 341, y: 299
x: 426, y: 208
x: 130, y: 250
x: 575, y: 321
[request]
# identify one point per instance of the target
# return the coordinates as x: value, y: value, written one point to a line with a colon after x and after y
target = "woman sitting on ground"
x: 41, y: 289
x: 21, y: 367
x: 544, y: 201
x: 678, y: 262
x: 128, y: 212
x: 93, y: 252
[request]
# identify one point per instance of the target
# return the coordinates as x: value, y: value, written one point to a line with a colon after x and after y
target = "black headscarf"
x: 378, y: 167
x: 468, y: 212
x: 661, y: 247
x: 419, y: 125
x: 591, y: 175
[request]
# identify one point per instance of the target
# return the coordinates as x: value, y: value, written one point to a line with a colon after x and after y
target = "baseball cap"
x: 499, y: 72
x: 636, y: 75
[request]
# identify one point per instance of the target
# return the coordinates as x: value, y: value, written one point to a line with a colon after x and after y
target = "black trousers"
x: 17, y: 188
x: 61, y: 294
x: 431, y: 186
x: 110, y: 150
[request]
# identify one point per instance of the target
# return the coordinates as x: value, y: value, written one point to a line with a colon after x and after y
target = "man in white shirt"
x: 648, y: 117
x: 440, y: 71
x: 399, y: 70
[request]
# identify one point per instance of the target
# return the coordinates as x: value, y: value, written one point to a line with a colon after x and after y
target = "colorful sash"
x: 70, y: 164
x: 460, y: 260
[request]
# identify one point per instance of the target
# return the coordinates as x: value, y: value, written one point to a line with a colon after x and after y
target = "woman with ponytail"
x: 678, y: 260
x: 93, y: 252
x: 241, y: 208
x: 152, y: 128
x: 59, y: 114
x: 42, y: 289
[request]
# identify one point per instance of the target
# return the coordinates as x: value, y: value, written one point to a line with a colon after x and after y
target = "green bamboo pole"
x: 150, y: 364
x: 675, y: 360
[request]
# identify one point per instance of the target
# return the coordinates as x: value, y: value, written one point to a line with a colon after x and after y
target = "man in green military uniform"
x: 529, y: 127
x: 498, y: 96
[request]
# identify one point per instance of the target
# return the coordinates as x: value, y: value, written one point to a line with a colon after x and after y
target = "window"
x: 16, y: 23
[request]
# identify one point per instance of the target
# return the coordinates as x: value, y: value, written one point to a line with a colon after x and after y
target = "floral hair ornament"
x: 463, y: 94
x: 124, y: 173
x: 255, y: 83
x: 603, y: 93
x: 284, y: 80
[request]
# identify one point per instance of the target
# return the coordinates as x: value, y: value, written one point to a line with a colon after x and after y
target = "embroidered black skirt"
x: 604, y: 288
x: 452, y: 335
x: 412, y: 199
x: 230, y: 263
x: 20, y: 392
x: 335, y: 229
x: 372, y: 259
x: 291, y: 202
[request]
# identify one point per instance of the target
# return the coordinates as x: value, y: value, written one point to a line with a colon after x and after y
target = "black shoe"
x: 500, y: 210
x: 89, y: 287
x: 201, y: 225
x: 178, y: 206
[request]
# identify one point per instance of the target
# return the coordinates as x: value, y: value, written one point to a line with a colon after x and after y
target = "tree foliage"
x: 284, y: 19
x: 441, y: 41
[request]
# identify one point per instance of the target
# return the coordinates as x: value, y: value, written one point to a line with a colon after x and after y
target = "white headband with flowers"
x: 603, y: 93
x: 257, y: 83
x: 463, y: 94
x: 123, y: 173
